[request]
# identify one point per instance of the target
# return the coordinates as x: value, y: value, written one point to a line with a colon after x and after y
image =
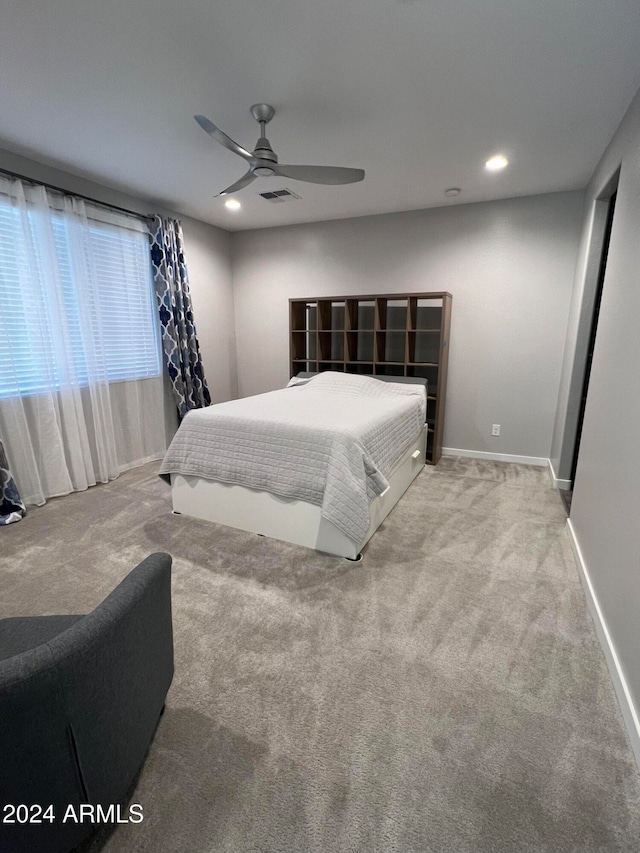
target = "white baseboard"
x: 625, y: 700
x: 564, y: 485
x: 496, y: 457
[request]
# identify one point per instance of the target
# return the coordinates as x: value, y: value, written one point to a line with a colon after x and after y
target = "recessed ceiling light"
x: 452, y: 192
x: 494, y: 164
x: 232, y: 204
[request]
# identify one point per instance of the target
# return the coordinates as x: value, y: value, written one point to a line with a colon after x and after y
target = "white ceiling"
x: 417, y: 92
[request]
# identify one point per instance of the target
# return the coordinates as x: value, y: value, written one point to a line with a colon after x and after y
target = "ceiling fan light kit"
x: 263, y: 161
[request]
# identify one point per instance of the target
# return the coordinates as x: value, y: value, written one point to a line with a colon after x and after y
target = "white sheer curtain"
x: 81, y: 387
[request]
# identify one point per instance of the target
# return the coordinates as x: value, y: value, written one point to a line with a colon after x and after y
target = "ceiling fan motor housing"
x: 264, y: 151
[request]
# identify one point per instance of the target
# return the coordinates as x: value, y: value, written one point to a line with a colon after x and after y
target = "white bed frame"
x: 289, y: 519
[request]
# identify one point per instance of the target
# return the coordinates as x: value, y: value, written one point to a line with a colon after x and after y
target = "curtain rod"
x: 77, y: 195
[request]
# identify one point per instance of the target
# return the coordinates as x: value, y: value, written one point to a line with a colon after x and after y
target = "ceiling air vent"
x: 279, y: 195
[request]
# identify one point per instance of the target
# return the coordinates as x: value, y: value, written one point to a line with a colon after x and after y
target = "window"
x: 57, y: 329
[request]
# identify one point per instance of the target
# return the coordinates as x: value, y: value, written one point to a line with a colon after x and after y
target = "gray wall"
x: 208, y: 257
x: 208, y: 253
x: 606, y: 498
x: 509, y: 265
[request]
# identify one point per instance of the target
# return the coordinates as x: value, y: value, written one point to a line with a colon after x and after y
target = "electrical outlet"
x: 495, y: 429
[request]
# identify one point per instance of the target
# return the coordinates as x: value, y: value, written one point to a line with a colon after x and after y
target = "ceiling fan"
x: 263, y: 161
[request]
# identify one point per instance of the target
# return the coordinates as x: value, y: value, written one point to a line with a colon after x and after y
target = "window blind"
x: 118, y: 314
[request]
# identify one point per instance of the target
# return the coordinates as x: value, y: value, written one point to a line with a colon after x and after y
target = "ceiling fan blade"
x: 319, y: 174
x: 223, y: 139
x: 244, y: 180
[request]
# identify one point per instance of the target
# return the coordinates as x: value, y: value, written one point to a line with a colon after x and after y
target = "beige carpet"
x: 448, y: 694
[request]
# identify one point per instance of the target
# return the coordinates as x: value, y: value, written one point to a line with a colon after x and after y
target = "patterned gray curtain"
x: 179, y: 341
x: 11, y: 507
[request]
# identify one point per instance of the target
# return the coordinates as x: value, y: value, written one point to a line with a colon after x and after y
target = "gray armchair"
x: 80, y: 699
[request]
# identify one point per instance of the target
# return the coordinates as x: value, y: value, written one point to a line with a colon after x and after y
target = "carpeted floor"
x: 448, y: 694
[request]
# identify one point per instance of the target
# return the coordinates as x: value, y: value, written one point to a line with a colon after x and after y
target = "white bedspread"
x: 331, y: 440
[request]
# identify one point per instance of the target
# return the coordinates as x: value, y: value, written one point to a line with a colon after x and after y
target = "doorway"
x: 568, y: 493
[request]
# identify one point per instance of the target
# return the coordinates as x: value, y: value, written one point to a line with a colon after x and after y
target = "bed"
x: 320, y: 463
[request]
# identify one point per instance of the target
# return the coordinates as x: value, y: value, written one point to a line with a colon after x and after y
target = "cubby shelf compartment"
x: 395, y: 334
